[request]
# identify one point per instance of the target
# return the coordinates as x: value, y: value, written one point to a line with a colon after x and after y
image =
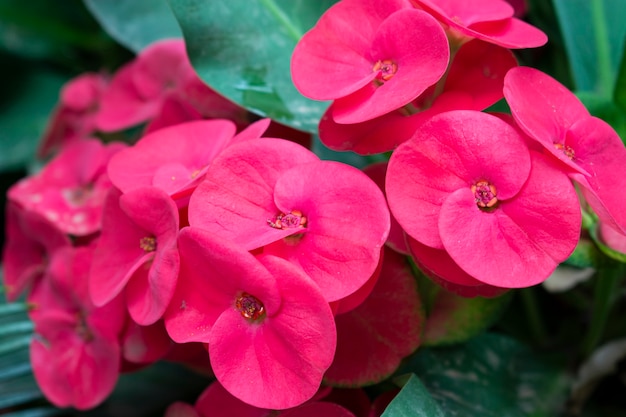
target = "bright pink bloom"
x: 489, y: 20
x: 69, y: 191
x: 441, y: 268
x: 216, y: 401
x: 176, y: 158
x: 252, y: 313
x: 467, y: 183
x: 137, y: 253
x: 75, y: 353
x: 75, y: 114
x: 145, y: 344
x: 386, y: 326
x: 370, y: 57
x: 161, y: 87
x: 328, y: 218
x: 592, y: 153
x: 612, y: 237
x: 30, y: 242
x: 474, y: 82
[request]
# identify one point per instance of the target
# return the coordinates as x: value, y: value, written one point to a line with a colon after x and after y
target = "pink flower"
x: 75, y: 353
x: 474, y: 82
x: 137, y: 253
x: 265, y: 322
x: 370, y: 57
x: 75, y: 114
x: 175, y: 159
x: 161, y: 87
x: 31, y: 240
x: 328, y: 218
x: 70, y: 189
x: 489, y: 20
x: 387, y: 326
x: 467, y: 183
x: 590, y: 151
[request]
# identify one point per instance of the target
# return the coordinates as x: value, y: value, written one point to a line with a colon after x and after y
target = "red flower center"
x: 386, y: 69
x: 294, y: 218
x: 250, y: 307
x: 567, y: 150
x: 148, y: 243
x: 484, y: 194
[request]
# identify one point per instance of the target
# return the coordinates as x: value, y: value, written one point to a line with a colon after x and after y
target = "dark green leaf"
x: 490, y: 376
x: 594, y: 34
x: 243, y: 49
x: 619, y: 94
x: 413, y: 400
x: 454, y: 319
x: 24, y: 111
x: 136, y: 23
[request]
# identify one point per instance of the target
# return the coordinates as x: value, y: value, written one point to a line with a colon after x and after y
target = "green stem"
x: 604, y: 295
x: 535, y: 321
x: 601, y: 38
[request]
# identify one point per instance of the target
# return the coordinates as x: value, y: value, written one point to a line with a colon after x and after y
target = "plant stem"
x: 601, y: 38
x: 604, y: 295
x: 537, y: 327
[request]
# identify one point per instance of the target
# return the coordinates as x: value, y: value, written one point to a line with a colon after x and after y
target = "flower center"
x: 386, y: 69
x: 567, y: 150
x: 290, y: 220
x: 148, y: 243
x: 250, y: 307
x: 485, y: 194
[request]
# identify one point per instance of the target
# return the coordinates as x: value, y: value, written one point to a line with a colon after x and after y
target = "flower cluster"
x: 203, y: 233
x: 484, y: 202
x: 212, y: 240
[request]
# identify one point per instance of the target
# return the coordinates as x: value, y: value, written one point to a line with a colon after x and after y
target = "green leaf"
x: 454, y: 319
x: 41, y: 29
x: 24, y: 111
x: 413, y: 400
x: 490, y: 376
x: 243, y: 49
x: 135, y: 23
x: 17, y: 383
x: 594, y: 34
x: 619, y: 94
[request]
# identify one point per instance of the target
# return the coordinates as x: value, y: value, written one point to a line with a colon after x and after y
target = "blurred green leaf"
x: 490, y: 376
x: 455, y: 319
x: 30, y: 94
x: 47, y: 30
x: 243, y: 50
x: 413, y: 400
x: 594, y: 34
x: 135, y: 23
x: 619, y: 94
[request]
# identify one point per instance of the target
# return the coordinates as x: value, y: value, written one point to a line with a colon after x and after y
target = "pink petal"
x: 121, y: 105
x: 447, y: 154
x: 347, y: 224
x: 543, y: 108
x: 160, y: 67
x: 441, y: 268
x: 386, y: 326
x: 521, y: 242
x: 600, y: 152
x: 215, y: 401
x: 145, y: 344
x: 236, y: 199
x: 467, y: 12
x: 181, y: 409
x: 213, y: 273
x: 30, y: 242
x: 316, y: 409
x: 416, y: 43
x: 340, y: 42
x: 193, y: 145
x: 282, y: 359
x: 510, y: 33
x: 479, y: 69
x: 396, y: 239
